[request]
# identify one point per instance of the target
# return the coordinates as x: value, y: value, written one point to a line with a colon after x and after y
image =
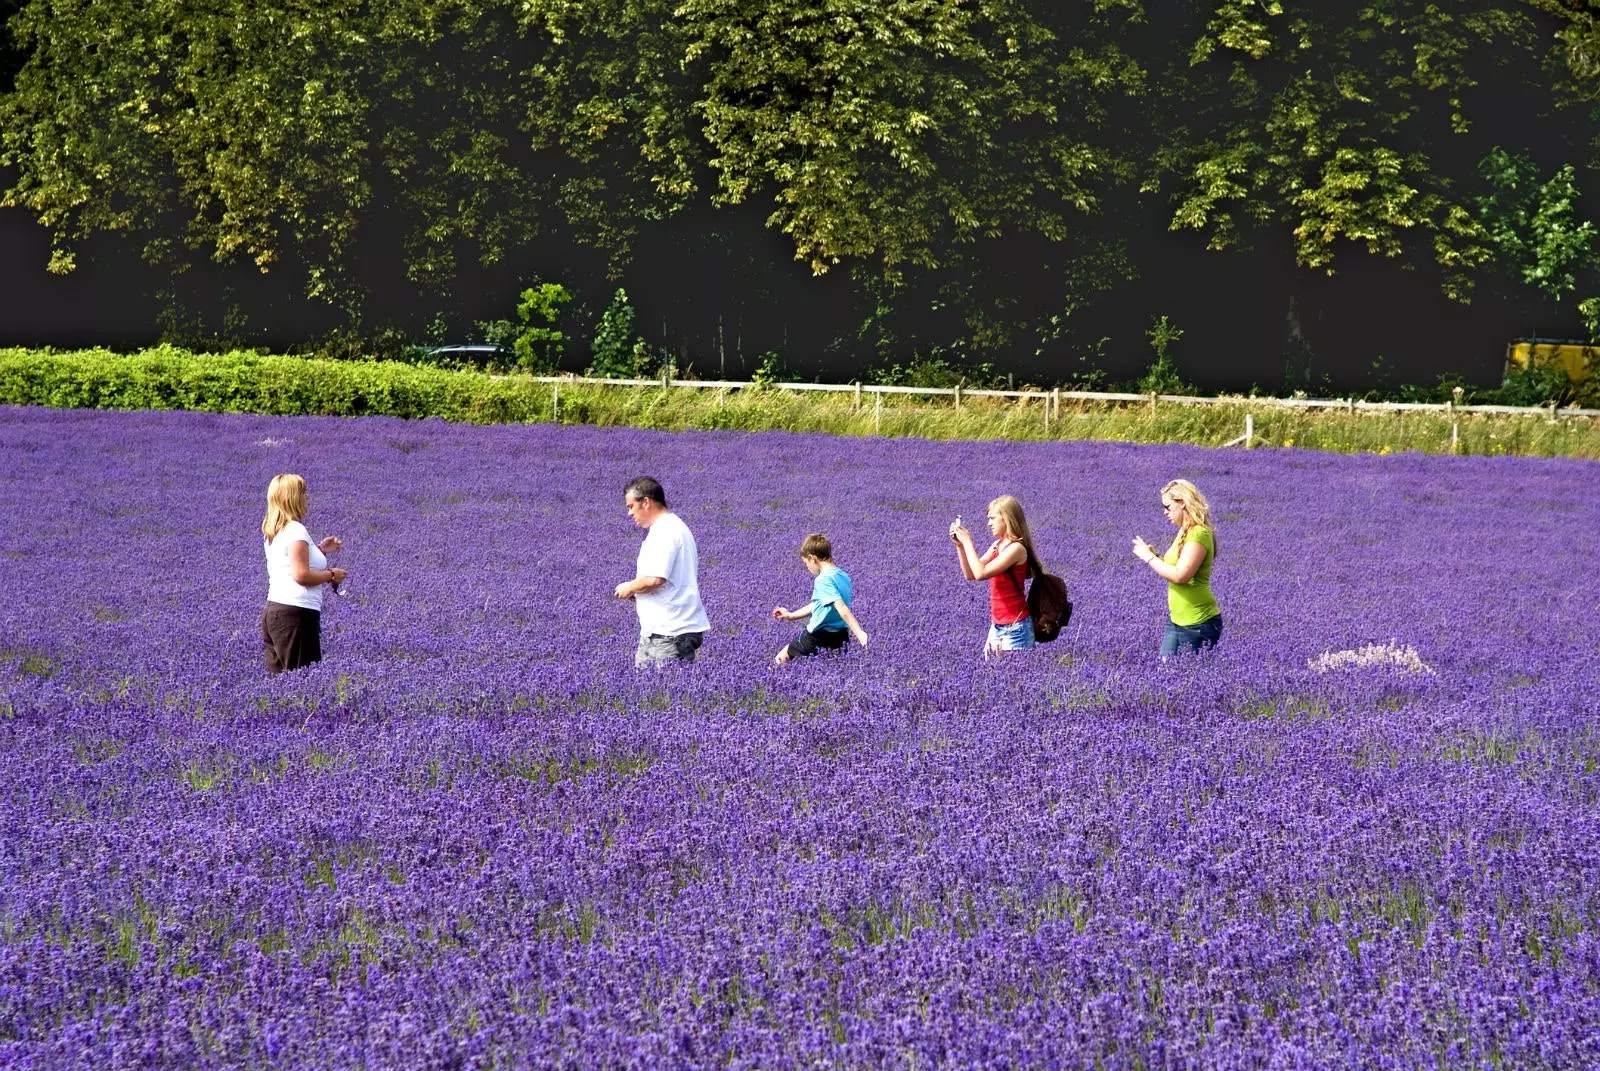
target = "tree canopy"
x: 930, y: 150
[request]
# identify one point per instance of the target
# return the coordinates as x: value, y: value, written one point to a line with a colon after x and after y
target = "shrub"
x: 538, y: 344
x: 617, y: 352
x: 247, y: 382
x: 1162, y: 377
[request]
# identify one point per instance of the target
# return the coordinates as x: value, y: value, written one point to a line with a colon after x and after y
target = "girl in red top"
x: 1005, y: 565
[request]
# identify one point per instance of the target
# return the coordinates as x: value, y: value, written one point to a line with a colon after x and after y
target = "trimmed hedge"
x: 246, y: 382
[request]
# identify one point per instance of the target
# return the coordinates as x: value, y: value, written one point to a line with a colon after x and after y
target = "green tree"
x: 1331, y: 121
x: 1533, y: 225
x: 617, y: 352
x: 538, y: 341
x: 1162, y: 376
x: 895, y: 130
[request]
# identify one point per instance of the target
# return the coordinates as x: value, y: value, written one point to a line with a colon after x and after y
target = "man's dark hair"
x: 646, y: 487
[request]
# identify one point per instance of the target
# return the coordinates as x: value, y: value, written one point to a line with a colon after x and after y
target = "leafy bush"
x: 617, y: 352
x: 538, y: 344
x: 1162, y: 377
x: 935, y: 372
x: 248, y: 382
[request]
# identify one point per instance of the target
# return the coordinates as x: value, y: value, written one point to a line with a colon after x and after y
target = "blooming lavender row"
x: 475, y: 837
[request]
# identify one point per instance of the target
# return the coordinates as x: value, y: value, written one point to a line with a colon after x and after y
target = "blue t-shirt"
x: 830, y: 586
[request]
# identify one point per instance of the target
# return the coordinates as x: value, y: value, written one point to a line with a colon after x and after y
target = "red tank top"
x: 1008, y: 603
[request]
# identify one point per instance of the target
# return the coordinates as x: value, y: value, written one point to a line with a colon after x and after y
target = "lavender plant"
x: 475, y: 837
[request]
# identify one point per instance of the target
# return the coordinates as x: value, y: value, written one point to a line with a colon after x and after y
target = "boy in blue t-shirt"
x: 831, y: 621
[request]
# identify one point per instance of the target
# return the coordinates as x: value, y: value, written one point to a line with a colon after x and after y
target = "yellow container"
x: 1579, y: 361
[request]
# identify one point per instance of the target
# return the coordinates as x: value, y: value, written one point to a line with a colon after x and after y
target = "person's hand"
x: 1142, y: 550
x: 779, y: 613
x: 330, y: 545
x: 338, y: 576
x: 861, y: 638
x: 959, y: 533
x: 622, y: 591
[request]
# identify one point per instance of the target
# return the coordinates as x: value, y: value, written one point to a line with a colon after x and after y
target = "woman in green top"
x: 1194, y: 619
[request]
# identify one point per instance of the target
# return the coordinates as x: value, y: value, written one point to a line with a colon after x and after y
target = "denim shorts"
x: 1011, y: 637
x: 656, y: 650
x: 1191, y: 638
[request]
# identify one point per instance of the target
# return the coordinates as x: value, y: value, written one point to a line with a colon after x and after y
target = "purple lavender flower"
x: 474, y: 837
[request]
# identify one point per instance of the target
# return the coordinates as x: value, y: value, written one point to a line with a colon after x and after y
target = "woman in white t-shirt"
x: 291, y: 625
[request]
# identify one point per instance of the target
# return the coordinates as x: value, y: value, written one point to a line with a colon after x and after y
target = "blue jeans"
x: 1010, y: 637
x: 1191, y: 638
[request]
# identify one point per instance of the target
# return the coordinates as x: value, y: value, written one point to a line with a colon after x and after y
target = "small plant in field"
x: 936, y: 371
x: 769, y: 371
x: 1162, y: 377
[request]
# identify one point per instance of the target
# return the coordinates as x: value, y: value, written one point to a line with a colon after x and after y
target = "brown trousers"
x: 292, y: 636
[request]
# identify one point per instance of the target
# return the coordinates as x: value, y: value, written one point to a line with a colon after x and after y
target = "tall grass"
x: 1357, y: 431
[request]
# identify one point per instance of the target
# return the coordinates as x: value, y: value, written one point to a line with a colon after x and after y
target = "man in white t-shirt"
x: 666, y: 586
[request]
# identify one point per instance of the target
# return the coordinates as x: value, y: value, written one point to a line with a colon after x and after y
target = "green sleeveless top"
x: 1191, y: 603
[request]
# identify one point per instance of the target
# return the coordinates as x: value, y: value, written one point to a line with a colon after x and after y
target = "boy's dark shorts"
x: 827, y: 639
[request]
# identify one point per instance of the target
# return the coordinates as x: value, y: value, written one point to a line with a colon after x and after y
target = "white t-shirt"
x: 281, y: 587
x: 669, y: 552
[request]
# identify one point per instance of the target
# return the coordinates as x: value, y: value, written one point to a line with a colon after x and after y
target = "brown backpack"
x: 1047, y: 604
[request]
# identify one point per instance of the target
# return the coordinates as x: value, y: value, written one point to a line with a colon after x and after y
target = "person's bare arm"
x: 638, y: 586
x: 850, y: 619
x: 1190, y: 559
x: 1013, y: 556
x: 304, y: 575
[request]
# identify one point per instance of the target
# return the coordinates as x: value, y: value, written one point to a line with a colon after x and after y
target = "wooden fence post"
x: 858, y: 396
x: 877, y: 413
x: 555, y: 403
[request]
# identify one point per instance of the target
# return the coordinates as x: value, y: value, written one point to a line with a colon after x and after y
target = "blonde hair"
x: 286, y: 501
x: 1196, y: 510
x: 1010, y: 511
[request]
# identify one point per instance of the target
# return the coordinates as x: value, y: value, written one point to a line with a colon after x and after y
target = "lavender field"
x: 1365, y: 832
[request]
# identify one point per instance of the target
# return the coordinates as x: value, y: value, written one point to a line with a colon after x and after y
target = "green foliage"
x: 898, y: 129
x: 1535, y: 385
x: 770, y: 370
x: 538, y: 344
x: 1162, y: 376
x: 617, y: 352
x: 938, y: 150
x: 247, y: 382
x: 936, y: 371
x: 1321, y: 121
x: 1533, y: 225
